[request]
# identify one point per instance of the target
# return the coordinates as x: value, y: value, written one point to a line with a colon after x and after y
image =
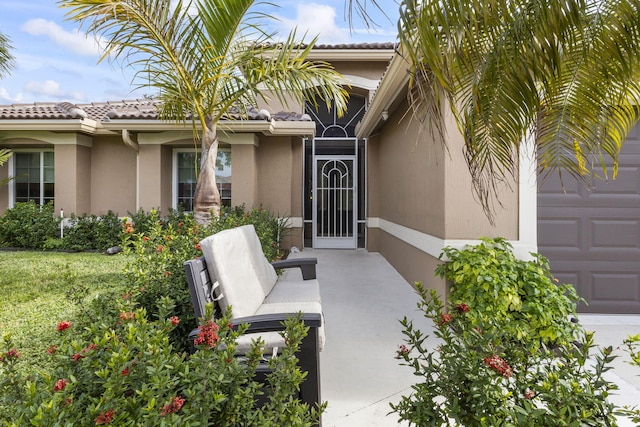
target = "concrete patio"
x: 363, y: 300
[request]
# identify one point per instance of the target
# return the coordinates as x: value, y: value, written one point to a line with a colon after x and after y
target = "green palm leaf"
x: 565, y: 73
x: 204, y: 57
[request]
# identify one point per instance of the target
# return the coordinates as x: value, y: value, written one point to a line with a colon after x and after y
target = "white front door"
x: 335, y: 202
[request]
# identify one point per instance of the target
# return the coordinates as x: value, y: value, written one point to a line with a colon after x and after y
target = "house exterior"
x: 368, y: 179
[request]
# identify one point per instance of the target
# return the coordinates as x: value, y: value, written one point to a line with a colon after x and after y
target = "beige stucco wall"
x: 414, y: 182
x: 372, y: 70
x: 274, y: 163
x: 244, y: 176
x: 72, y: 178
x: 113, y: 176
x: 464, y: 216
x: 409, y: 186
x: 279, y: 166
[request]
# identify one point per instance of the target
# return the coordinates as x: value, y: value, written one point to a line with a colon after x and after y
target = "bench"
x: 233, y: 271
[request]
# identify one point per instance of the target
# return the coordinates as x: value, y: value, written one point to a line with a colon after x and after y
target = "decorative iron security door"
x: 335, y: 202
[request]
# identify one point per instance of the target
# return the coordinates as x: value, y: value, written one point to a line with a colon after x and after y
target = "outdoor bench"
x: 233, y: 271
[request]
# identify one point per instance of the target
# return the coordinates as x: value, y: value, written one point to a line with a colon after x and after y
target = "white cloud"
x: 75, y: 40
x: 52, y: 89
x: 316, y: 20
x: 6, y: 98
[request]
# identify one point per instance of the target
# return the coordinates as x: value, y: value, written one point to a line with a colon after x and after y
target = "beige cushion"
x: 294, y: 291
x: 242, y: 271
x: 293, y: 308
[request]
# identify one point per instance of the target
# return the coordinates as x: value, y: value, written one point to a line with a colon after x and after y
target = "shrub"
x: 155, y: 269
x: 92, y: 232
x: 160, y: 246
x: 478, y: 376
x: 520, y: 297
x: 28, y: 225
x: 119, y: 368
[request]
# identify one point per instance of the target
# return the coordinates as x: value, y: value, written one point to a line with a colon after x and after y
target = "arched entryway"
x: 334, y: 199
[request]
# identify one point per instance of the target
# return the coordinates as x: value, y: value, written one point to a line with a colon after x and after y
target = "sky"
x: 56, y: 61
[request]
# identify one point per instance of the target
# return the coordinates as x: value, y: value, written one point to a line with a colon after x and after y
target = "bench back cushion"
x: 244, y: 274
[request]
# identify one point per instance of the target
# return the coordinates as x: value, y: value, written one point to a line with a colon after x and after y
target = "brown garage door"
x: 592, y: 238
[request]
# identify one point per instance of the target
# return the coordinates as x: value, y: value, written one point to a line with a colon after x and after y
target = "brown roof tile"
x: 138, y: 109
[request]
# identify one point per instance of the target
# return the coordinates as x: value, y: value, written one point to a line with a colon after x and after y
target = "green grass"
x: 35, y: 289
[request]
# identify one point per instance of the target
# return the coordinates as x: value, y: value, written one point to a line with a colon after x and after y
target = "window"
x: 186, y: 165
x: 33, y: 173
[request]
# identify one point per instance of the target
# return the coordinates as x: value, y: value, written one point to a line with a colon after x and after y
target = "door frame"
x: 348, y: 242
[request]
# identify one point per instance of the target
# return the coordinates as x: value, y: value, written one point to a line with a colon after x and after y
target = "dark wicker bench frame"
x: 201, y: 279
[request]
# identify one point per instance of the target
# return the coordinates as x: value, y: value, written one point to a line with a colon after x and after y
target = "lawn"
x: 37, y: 291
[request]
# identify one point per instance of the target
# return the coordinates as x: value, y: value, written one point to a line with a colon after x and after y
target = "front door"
x: 335, y: 202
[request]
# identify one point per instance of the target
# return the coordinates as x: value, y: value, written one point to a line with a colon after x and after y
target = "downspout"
x: 129, y: 141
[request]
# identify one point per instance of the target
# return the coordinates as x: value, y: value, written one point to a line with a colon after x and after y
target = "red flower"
x: 445, y: 318
x: 60, y: 385
x: 462, y: 308
x: 145, y: 238
x: 529, y: 394
x: 498, y: 364
x: 125, y: 371
x: 128, y: 227
x: 52, y: 349
x: 402, y: 351
x: 207, y: 334
x: 105, y: 417
x: 180, y: 224
x: 65, y: 324
x: 198, y: 247
x: 175, y: 320
x: 77, y: 357
x: 90, y: 347
x: 167, y: 273
x: 167, y: 238
x: 11, y: 354
x: 159, y: 248
x: 174, y: 406
x: 127, y: 315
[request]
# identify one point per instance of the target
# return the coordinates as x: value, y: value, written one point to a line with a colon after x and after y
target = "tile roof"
x: 346, y: 46
x: 138, y: 109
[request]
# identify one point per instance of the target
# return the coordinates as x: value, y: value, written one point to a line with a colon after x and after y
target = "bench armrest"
x: 306, y: 265
x: 273, y: 322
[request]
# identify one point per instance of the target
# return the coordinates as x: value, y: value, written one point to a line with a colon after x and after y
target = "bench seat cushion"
x: 293, y: 308
x: 294, y: 291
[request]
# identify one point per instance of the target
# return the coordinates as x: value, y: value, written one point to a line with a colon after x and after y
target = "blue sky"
x: 56, y: 62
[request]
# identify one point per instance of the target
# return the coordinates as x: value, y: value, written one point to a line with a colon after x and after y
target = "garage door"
x: 592, y: 237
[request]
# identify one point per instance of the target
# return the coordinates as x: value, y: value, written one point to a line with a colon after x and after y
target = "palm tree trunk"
x: 206, y: 200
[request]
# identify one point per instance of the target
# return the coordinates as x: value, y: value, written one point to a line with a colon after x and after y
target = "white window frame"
x: 174, y: 171
x: 12, y: 172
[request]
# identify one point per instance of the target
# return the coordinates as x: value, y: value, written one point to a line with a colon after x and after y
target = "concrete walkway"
x: 363, y: 300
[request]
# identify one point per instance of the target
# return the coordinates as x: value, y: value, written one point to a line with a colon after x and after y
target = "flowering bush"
x: 476, y: 376
x: 159, y: 247
x: 520, y: 297
x: 118, y: 368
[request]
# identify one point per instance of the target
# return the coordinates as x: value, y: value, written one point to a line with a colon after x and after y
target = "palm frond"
x: 565, y: 71
x: 7, y: 60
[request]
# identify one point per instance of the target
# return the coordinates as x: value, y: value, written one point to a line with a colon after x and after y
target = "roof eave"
x: 336, y: 55
x: 284, y: 128
x: 393, y: 84
x: 53, y: 125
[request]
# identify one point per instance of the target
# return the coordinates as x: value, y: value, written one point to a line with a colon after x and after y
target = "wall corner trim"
x: 433, y: 245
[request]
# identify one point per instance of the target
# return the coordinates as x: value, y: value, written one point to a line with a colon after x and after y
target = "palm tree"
x: 205, y: 57
x: 565, y: 74
x: 6, y: 59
